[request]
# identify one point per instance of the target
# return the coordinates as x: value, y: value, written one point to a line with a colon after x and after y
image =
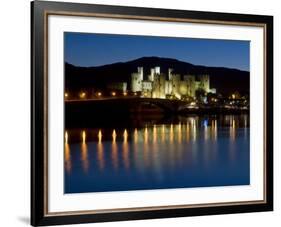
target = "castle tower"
x: 136, y: 80
x: 152, y: 73
x: 168, y: 87
x: 191, y: 85
x: 170, y: 73
x: 176, y: 78
x: 157, y: 70
x: 140, y: 71
x: 159, y: 86
x: 205, y: 83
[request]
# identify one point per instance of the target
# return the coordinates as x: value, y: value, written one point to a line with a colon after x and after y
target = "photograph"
x: 152, y: 112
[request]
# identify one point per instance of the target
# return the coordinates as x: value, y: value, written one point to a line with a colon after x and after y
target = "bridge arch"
x: 165, y: 104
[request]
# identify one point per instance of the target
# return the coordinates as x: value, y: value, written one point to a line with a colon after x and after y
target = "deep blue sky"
x: 85, y: 49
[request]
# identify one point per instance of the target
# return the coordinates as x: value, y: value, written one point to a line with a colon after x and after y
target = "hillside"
x: 225, y: 80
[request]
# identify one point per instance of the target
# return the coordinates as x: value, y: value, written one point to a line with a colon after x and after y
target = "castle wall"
x: 146, y: 86
x: 158, y: 87
x: 183, y: 90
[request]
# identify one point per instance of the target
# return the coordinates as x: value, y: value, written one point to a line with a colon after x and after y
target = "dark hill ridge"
x: 225, y: 80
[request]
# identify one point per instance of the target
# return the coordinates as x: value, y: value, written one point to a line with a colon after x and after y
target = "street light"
x: 99, y: 94
x: 82, y: 95
x: 113, y: 93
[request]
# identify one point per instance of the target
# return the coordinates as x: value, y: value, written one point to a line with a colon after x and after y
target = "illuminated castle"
x: 159, y: 86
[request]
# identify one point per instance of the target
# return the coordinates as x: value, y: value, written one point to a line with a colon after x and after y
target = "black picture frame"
x: 39, y: 12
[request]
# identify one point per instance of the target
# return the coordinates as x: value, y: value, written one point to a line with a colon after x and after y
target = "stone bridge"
x: 167, y: 105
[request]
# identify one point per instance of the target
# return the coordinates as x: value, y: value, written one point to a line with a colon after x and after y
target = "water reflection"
x: 100, y: 136
x: 84, y: 153
x: 136, y: 135
x: 100, y: 156
x: 126, y: 150
x: 145, y: 135
x: 171, y: 133
x: 232, y: 130
x: 179, y: 133
x: 114, y: 150
x: 163, y: 134
x: 154, y: 134
x: 159, y: 155
x: 214, y: 130
x: 114, y: 136
x: 67, y: 154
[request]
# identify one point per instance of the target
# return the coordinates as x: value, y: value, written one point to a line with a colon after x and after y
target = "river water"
x: 191, y: 151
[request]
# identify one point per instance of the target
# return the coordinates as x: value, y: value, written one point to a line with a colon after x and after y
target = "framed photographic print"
x: 144, y: 113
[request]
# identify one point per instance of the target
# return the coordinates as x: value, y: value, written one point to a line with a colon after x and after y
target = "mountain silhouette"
x: 225, y: 80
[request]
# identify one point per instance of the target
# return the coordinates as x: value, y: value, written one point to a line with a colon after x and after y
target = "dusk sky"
x: 84, y: 49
